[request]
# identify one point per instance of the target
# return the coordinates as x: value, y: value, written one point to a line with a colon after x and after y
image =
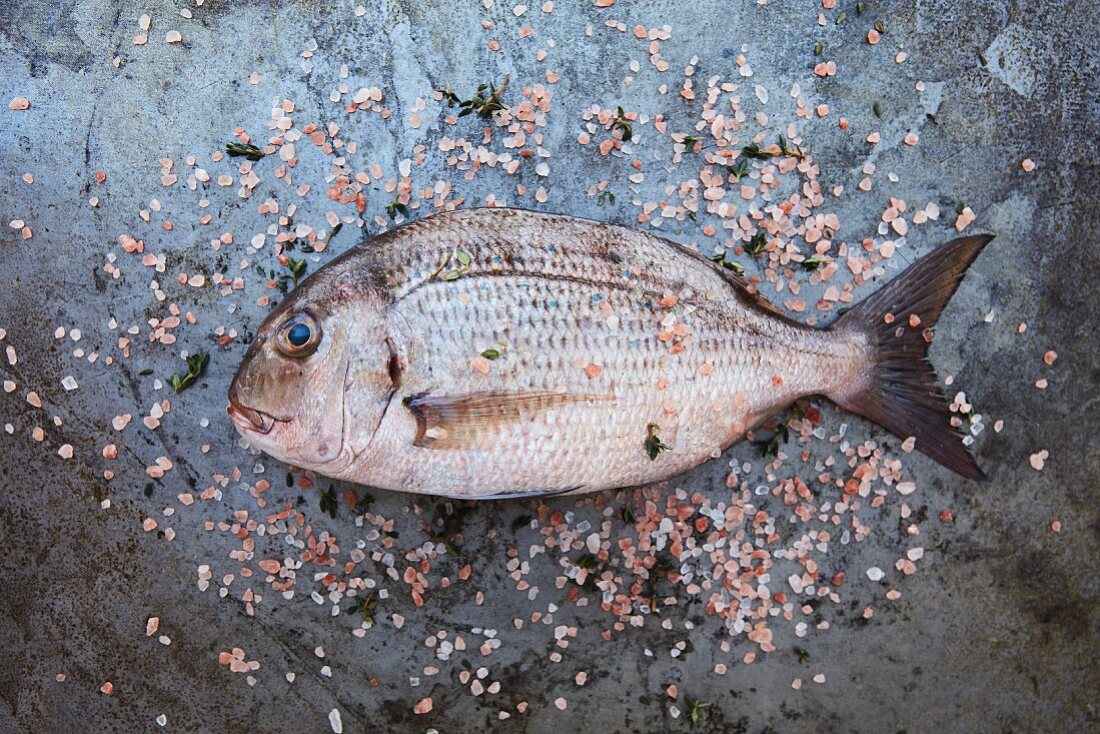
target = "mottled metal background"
x: 999, y: 630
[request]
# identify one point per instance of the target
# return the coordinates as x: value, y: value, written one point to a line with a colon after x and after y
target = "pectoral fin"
x: 475, y: 420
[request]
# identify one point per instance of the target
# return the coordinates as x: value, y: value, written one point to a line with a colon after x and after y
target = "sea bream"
x: 493, y: 353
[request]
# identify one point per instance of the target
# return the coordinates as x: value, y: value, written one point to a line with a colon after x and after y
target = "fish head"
x: 289, y: 397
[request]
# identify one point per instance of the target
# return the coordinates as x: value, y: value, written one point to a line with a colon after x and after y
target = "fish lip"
x: 248, y: 419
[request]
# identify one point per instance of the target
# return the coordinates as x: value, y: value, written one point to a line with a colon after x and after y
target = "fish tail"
x: 901, y: 392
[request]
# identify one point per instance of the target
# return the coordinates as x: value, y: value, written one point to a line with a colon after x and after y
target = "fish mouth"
x: 248, y: 419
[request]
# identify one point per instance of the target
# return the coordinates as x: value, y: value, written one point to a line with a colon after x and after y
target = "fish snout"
x: 245, y: 418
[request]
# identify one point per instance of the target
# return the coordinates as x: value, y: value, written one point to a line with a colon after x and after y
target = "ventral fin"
x: 475, y: 420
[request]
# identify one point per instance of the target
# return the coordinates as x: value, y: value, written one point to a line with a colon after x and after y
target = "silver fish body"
x: 501, y: 352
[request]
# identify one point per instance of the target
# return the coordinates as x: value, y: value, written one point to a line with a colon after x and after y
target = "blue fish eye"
x: 298, y: 335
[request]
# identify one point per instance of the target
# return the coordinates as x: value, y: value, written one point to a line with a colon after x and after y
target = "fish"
x: 501, y: 353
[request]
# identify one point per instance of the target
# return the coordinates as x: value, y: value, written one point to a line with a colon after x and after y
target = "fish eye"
x: 298, y: 336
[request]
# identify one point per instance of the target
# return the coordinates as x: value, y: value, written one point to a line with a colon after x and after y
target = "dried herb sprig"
x: 365, y: 607
x: 196, y: 365
x: 297, y: 270
x: 486, y: 101
x: 249, y: 151
x: 738, y: 170
x: 756, y: 244
x: 736, y: 267
x: 695, y: 710
x: 620, y: 123
x: 462, y: 257
x: 394, y: 208
x: 654, y: 445
x: 782, y: 432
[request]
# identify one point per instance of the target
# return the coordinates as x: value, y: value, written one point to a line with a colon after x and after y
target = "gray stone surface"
x: 998, y: 631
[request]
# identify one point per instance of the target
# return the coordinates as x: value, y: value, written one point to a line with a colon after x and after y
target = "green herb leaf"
x: 877, y: 108
x: 249, y: 151
x: 739, y: 170
x: 787, y: 150
x: 297, y: 269
x: 818, y: 48
x: 620, y: 123
x: 449, y: 96
x: 491, y: 354
x: 484, y: 105
x: 755, y: 151
x: 782, y: 432
x: 395, y: 207
x: 812, y: 263
x: 366, y: 606
x: 196, y: 366
x: 720, y: 258
x: 756, y: 245
x: 695, y: 710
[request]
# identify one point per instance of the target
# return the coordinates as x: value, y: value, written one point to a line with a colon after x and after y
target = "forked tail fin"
x: 902, y: 393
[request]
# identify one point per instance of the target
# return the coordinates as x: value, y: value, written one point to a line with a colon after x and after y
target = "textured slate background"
x: 999, y: 631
